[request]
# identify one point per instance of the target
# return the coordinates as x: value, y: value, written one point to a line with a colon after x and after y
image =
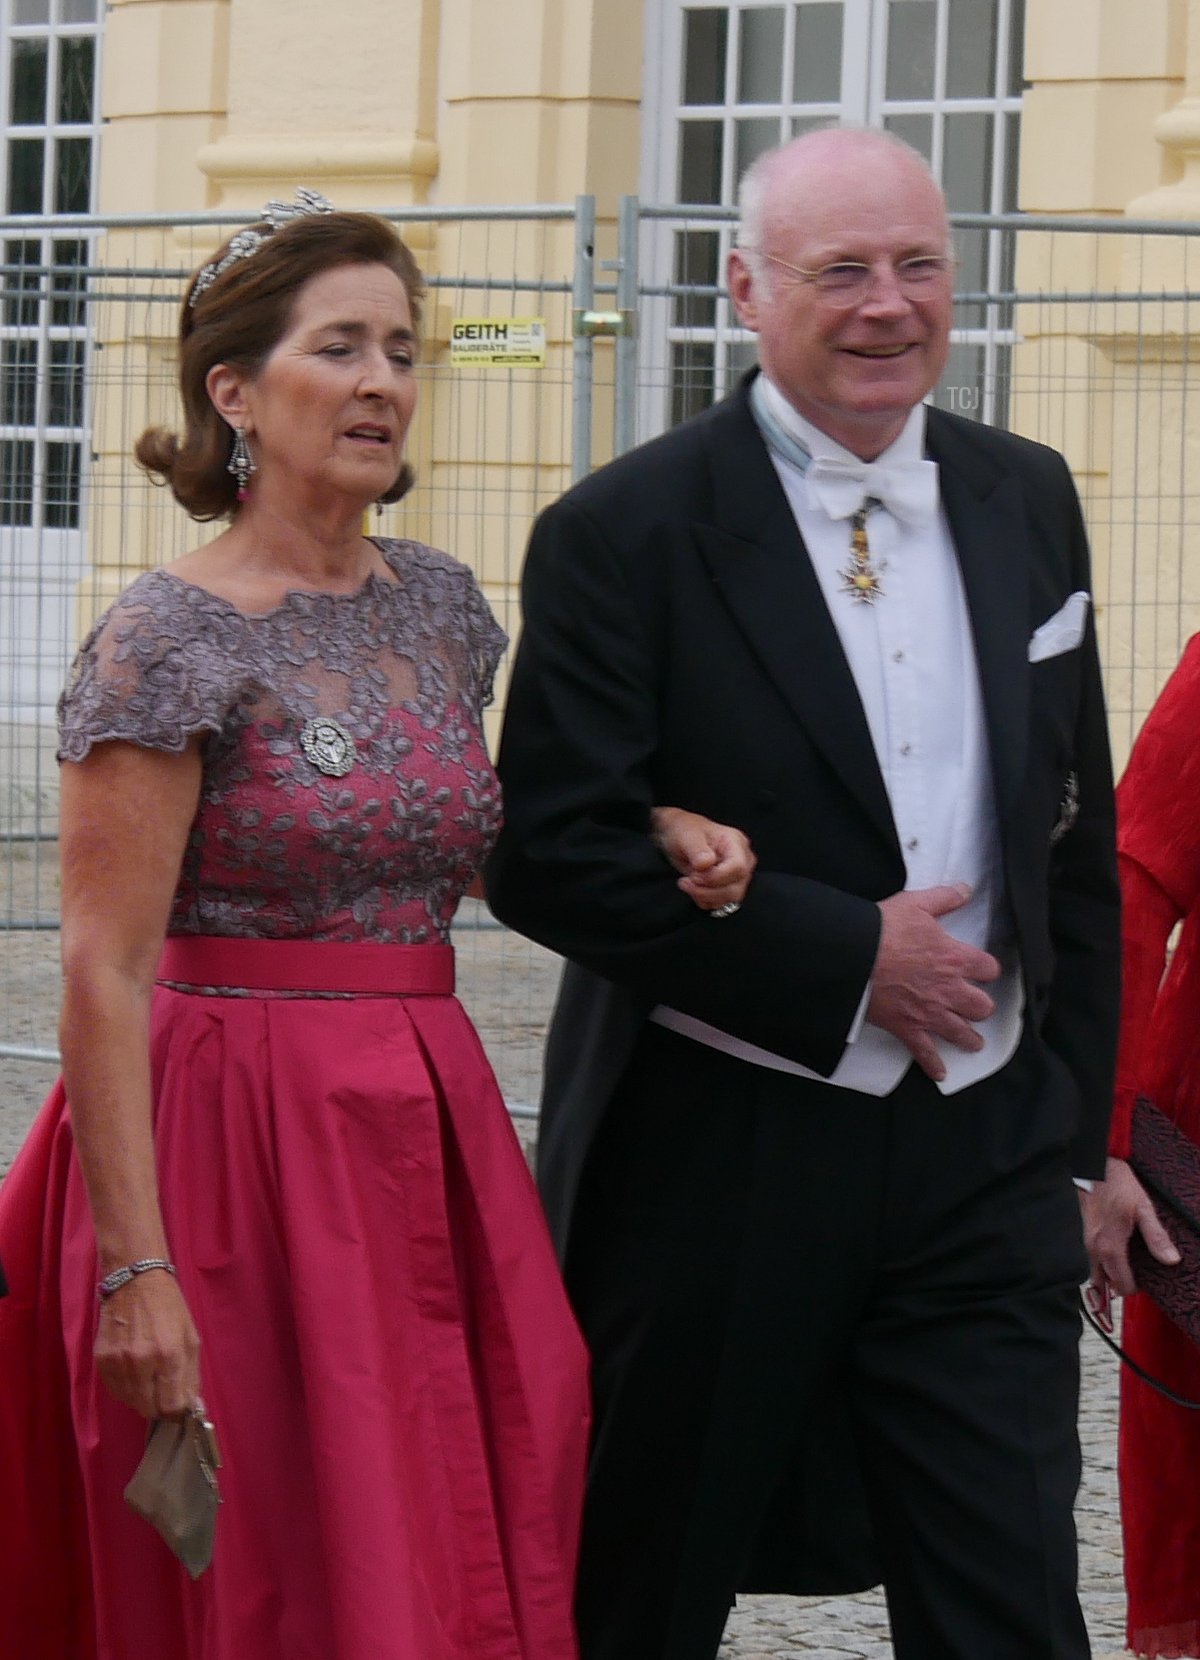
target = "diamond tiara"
x: 247, y: 242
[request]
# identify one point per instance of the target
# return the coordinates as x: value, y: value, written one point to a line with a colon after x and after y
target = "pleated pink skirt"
x: 398, y: 1385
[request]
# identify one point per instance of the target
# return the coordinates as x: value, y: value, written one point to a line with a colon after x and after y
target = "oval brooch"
x: 328, y: 746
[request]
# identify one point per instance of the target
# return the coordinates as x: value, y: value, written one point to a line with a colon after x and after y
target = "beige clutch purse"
x: 175, y: 1486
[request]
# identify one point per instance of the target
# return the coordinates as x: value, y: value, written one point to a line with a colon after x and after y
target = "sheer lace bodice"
x: 281, y: 847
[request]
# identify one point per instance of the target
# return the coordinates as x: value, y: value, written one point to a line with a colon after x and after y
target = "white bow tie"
x: 908, y: 489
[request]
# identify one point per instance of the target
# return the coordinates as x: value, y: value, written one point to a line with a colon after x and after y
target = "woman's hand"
x: 715, y: 862
x: 125, y: 813
x: 1111, y: 1212
x: 147, y: 1348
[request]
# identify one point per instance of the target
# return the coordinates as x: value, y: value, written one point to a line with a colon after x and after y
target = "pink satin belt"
x: 309, y: 965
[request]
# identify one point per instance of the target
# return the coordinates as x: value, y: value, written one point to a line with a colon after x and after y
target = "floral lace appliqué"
x: 279, y: 850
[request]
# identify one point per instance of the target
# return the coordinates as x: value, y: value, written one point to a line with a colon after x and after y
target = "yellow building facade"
x: 224, y: 104
x: 1111, y: 126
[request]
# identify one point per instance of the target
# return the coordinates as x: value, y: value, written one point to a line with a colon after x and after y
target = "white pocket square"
x: 1061, y: 632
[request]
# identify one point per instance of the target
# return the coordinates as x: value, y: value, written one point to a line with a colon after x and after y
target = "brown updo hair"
x: 239, y: 319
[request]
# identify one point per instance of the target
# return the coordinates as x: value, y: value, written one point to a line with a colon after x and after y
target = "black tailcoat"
x: 677, y: 649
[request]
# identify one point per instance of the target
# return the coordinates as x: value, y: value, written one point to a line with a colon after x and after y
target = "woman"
x: 285, y: 1162
x: 1159, y: 1444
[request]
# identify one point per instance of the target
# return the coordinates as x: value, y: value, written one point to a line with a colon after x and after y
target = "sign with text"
x: 498, y: 342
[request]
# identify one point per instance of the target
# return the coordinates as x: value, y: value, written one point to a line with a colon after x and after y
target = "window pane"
x: 77, y: 11
x: 31, y: 11
x: 26, y: 162
x: 76, y: 78
x: 22, y: 279
x: 64, y: 405
x: 809, y: 124
x: 73, y: 175
x: 971, y: 49
x: 911, y: 47
x: 740, y: 355
x: 67, y: 285
x: 16, y: 481
x: 62, y: 486
x: 760, y: 57
x: 967, y: 161
x: 961, y: 386
x: 817, y: 75
x: 697, y: 254
x: 1004, y: 315
x: 28, y: 82
x: 752, y: 138
x: 916, y: 130
x: 971, y: 247
x: 18, y: 382
x: 1016, y: 47
x: 704, y: 38
x: 1012, y: 161
x: 692, y: 380
x: 700, y: 161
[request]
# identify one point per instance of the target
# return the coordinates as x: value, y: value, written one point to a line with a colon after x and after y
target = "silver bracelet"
x: 122, y: 1276
x: 729, y: 909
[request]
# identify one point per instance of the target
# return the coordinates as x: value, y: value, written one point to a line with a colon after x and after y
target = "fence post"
x: 582, y: 349
x: 626, y: 346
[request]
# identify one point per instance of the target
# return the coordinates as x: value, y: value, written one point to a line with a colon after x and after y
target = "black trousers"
x: 759, y: 1260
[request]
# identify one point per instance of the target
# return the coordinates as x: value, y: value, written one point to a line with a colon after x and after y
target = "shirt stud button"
x: 906, y: 749
x: 897, y: 657
x: 912, y: 843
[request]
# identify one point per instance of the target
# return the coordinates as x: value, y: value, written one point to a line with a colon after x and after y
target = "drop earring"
x: 241, y: 463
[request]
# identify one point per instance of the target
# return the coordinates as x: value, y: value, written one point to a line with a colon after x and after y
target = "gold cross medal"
x: 860, y: 578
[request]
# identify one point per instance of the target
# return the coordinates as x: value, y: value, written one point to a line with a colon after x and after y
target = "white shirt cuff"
x: 1084, y: 1183
x: 860, y: 1016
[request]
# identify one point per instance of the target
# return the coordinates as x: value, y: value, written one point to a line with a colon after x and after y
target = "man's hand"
x: 1111, y: 1212
x: 923, y: 985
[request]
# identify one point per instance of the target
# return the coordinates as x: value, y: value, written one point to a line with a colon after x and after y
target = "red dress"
x: 1159, y: 1446
x: 398, y: 1385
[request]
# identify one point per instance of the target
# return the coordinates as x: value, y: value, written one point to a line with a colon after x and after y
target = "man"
x: 810, y: 1161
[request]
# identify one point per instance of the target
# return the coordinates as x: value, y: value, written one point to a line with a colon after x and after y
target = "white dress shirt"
x: 913, y: 660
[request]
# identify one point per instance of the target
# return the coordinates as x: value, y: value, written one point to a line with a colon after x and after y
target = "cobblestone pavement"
x: 507, y: 986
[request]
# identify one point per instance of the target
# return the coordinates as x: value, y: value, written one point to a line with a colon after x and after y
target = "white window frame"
x: 862, y: 102
x: 41, y: 564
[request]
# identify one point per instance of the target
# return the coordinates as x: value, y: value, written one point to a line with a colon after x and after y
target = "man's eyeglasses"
x: 848, y: 282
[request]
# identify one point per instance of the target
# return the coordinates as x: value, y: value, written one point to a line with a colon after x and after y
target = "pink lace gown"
x: 396, y: 1379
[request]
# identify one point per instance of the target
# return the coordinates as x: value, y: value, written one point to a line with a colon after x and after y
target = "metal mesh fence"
x: 1075, y: 332
x: 88, y: 314
x: 1080, y: 337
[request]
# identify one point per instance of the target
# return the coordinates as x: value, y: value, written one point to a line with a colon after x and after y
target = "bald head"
x: 802, y: 181
x: 841, y: 270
